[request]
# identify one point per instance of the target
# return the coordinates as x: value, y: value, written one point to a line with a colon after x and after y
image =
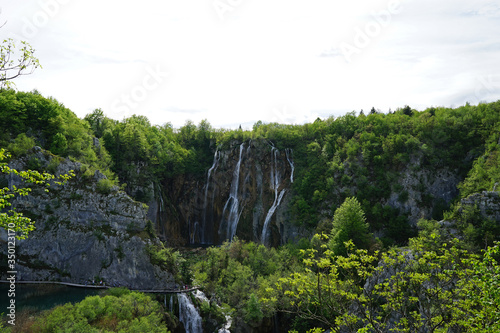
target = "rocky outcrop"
x: 487, y: 203
x: 420, y: 192
x: 84, y: 231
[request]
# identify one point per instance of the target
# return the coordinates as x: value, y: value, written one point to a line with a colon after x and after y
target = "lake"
x: 39, y: 297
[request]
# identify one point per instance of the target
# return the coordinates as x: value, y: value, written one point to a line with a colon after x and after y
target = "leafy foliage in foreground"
x: 15, y: 221
x: 122, y: 311
x: 410, y: 290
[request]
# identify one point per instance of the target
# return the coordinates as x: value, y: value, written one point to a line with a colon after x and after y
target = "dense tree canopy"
x: 335, y: 158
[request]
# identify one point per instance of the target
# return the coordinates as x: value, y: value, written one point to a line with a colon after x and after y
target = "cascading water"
x: 232, y: 203
x: 194, y: 232
x: 270, y: 213
x: 288, y: 152
x: 275, y: 183
x: 199, y: 295
x: 161, y: 209
x: 229, y: 322
x: 188, y: 315
x: 214, y: 166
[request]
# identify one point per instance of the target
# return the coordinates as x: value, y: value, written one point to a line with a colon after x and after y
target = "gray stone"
x: 82, y: 234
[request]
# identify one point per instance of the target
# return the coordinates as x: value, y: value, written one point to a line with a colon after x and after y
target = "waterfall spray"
x: 233, y: 203
x: 212, y: 169
x: 275, y: 183
x: 288, y: 152
x: 195, y: 231
x: 188, y: 315
x: 161, y: 209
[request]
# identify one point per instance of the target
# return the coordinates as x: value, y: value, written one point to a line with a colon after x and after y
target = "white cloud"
x: 261, y: 57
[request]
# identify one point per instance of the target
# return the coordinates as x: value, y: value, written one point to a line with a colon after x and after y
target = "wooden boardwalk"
x: 93, y: 286
x: 167, y: 291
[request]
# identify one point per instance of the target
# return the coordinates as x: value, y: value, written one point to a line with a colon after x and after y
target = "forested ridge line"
x: 359, y: 154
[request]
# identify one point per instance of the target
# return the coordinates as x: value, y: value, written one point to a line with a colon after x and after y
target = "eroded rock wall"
x: 83, y: 233
x: 246, y: 193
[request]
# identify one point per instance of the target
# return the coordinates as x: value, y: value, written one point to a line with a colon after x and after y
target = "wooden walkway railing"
x: 157, y: 291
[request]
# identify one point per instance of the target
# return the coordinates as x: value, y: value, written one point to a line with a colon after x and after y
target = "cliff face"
x: 83, y: 232
x: 487, y: 203
x: 246, y: 193
x: 422, y: 192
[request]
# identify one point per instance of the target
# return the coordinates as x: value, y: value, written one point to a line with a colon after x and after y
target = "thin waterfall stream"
x: 212, y: 169
x: 289, y: 152
x: 275, y: 184
x: 233, y: 203
x: 161, y: 209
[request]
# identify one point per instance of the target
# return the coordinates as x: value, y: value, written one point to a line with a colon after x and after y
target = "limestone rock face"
x: 246, y: 193
x: 423, y: 190
x: 488, y: 203
x: 83, y: 232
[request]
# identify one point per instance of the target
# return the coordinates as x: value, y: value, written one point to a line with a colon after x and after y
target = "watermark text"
x: 48, y: 10
x: 11, y: 274
x: 139, y: 93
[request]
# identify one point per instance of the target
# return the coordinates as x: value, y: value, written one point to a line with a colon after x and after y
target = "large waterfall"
x: 204, y: 226
x: 188, y: 315
x: 235, y: 191
x: 288, y: 152
x: 275, y: 184
x: 233, y: 203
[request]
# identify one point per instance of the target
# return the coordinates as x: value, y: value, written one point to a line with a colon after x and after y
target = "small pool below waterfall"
x: 40, y: 297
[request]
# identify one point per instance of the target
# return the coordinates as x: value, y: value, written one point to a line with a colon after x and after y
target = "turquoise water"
x: 41, y: 297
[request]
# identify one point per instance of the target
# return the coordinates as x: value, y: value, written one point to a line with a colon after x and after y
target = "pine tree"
x: 349, y: 223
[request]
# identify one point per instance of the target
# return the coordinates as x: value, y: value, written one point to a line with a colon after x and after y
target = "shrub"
x: 105, y: 186
x: 21, y: 145
x: 166, y: 258
x: 253, y: 312
x: 34, y: 164
x: 150, y: 229
x: 120, y: 311
x: 53, y: 164
x: 118, y: 292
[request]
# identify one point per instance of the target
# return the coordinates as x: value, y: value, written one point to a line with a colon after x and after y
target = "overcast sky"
x: 236, y: 62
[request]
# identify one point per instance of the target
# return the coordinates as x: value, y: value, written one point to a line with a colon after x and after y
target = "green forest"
x: 366, y: 268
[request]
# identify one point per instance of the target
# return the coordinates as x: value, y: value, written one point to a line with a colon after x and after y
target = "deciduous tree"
x: 11, y: 219
x: 16, y: 59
